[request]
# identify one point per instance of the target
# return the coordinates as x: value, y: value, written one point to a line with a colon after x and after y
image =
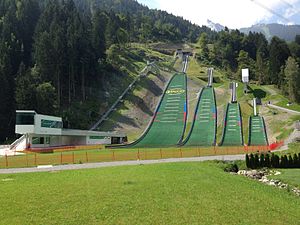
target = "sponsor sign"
x: 175, y: 91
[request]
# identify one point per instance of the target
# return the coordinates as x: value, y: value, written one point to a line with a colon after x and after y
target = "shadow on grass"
x: 140, y: 103
x: 259, y: 93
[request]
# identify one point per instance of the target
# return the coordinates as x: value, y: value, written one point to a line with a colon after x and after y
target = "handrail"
x: 265, y: 130
x: 249, y: 130
x: 16, y: 142
x: 186, y: 107
x: 216, y: 120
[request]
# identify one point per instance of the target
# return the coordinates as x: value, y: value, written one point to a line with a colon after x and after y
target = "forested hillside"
x: 61, y: 57
x: 58, y: 55
x: 275, y: 62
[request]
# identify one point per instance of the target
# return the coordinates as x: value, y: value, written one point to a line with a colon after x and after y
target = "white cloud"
x: 290, y: 12
x: 232, y: 13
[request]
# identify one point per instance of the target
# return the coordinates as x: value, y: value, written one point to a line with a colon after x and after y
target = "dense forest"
x: 275, y: 62
x: 57, y: 53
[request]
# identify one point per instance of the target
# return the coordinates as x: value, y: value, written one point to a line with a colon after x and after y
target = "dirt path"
x: 284, y: 109
x: 120, y: 163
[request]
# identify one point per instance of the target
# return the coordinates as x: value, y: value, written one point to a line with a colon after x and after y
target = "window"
x: 51, y: 124
x: 38, y: 140
x: 25, y: 119
x: 98, y: 137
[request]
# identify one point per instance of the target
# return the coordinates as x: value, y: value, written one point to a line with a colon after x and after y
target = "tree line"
x: 275, y: 62
x: 254, y: 161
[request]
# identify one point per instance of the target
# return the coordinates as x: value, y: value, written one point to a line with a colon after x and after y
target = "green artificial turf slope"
x: 257, y: 131
x: 168, y: 125
x: 233, y: 127
x: 204, y: 128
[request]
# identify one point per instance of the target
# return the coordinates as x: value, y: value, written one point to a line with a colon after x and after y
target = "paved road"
x: 284, y: 109
x: 120, y: 163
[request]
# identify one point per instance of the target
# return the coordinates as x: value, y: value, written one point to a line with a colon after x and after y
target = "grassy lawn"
x: 294, y: 148
x: 278, y: 99
x: 289, y: 176
x: 294, y: 106
x: 177, y: 193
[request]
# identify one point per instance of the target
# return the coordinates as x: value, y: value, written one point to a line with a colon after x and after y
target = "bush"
x: 231, y: 167
x: 262, y: 160
x: 256, y: 161
x: 276, y: 162
x: 248, y: 161
x: 251, y: 161
x: 267, y: 161
x: 295, y: 161
x: 290, y: 162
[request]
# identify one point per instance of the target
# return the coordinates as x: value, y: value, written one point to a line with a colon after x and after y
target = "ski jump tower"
x: 254, y: 107
x: 233, y: 86
x: 245, y: 79
x: 210, y: 72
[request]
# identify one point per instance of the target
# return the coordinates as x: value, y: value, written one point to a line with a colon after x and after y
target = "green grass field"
x: 289, y: 176
x: 177, y: 193
x: 294, y: 148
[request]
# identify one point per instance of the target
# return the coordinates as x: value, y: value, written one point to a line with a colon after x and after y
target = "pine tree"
x: 251, y: 161
x: 290, y: 162
x: 295, y: 161
x: 261, y: 72
x: 247, y: 161
x: 203, y: 42
x: 267, y: 161
x: 262, y: 160
x: 244, y: 61
x: 277, y: 162
x: 256, y: 161
x: 292, y: 74
x: 279, y: 52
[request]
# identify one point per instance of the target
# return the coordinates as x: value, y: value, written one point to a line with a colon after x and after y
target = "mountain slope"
x: 286, y: 32
x: 215, y: 26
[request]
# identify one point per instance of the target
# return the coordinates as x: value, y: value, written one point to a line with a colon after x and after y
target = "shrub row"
x: 257, y: 160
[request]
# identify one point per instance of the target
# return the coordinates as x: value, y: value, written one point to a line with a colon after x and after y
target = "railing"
x: 95, y: 154
x: 16, y: 142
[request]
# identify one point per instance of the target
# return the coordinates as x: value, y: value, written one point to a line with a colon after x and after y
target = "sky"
x: 231, y: 13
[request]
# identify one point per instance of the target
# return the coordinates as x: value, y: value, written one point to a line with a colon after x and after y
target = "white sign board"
x: 245, y: 75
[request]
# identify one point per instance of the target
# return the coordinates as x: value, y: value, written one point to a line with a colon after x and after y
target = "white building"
x: 42, y: 131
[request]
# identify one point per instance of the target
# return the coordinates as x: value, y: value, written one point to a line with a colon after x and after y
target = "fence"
x: 98, y: 155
